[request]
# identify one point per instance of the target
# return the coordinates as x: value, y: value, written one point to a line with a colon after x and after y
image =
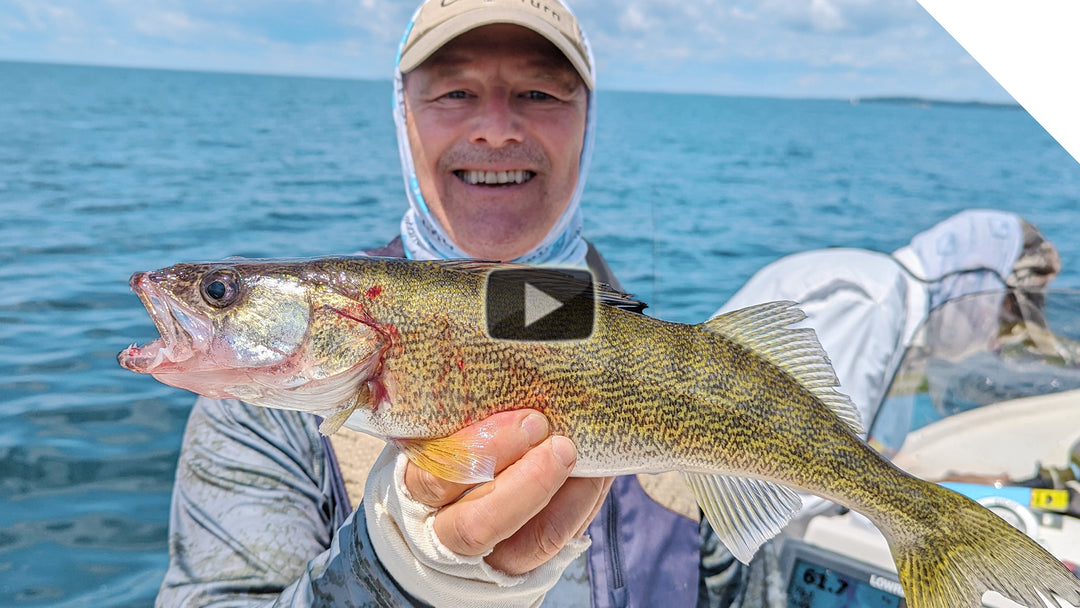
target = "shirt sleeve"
x: 254, y: 520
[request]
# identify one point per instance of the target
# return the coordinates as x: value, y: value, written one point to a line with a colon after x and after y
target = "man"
x: 495, y: 121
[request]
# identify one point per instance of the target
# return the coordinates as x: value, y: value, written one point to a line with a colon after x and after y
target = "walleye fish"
x: 743, y: 405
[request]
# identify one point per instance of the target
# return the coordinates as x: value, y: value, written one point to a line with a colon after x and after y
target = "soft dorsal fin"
x: 765, y: 329
x: 744, y: 512
x: 547, y: 278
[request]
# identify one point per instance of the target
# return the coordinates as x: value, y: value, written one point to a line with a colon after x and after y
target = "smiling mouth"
x: 495, y: 178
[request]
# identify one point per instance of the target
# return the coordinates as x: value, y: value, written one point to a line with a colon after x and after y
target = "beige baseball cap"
x: 440, y: 21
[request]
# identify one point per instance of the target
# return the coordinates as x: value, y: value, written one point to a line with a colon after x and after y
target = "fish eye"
x: 221, y: 287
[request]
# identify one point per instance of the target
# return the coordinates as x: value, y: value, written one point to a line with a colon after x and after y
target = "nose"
x: 497, y: 123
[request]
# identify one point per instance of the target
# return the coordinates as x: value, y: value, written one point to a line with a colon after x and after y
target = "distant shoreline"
x: 927, y: 103
x: 924, y: 102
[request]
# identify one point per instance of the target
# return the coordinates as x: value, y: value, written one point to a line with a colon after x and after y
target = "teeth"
x: 495, y: 177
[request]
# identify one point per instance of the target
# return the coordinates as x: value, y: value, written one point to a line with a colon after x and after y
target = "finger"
x: 565, y: 517
x: 507, y: 435
x: 496, y: 510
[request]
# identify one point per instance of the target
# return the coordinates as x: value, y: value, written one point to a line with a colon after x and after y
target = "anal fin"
x: 745, y: 513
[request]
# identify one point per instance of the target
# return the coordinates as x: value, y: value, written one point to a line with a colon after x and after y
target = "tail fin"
x: 954, y: 564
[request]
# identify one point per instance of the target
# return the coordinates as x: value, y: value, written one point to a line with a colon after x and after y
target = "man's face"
x: 496, y: 122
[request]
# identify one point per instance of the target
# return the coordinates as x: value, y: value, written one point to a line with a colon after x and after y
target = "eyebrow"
x: 449, y: 64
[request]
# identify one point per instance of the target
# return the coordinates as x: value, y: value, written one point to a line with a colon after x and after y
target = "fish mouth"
x: 183, y: 330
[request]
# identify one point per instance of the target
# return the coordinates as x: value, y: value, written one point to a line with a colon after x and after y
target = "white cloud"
x: 720, y: 46
x: 851, y: 47
x: 45, y: 15
x: 632, y: 19
x: 170, y: 25
x: 739, y: 14
x: 825, y: 17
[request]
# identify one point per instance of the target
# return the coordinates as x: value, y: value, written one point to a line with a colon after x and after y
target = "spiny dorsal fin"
x: 745, y: 513
x: 765, y: 329
x: 546, y: 278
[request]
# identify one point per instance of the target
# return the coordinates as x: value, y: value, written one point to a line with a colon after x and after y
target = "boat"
x: 991, y: 410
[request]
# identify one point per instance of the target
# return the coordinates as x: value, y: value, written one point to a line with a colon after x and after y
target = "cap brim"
x: 438, y: 36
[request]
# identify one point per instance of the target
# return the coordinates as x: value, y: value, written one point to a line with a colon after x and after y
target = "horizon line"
x: 893, y: 97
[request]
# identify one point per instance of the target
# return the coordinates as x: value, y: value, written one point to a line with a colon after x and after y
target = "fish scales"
x: 632, y: 415
x: 632, y: 418
x: 743, y: 405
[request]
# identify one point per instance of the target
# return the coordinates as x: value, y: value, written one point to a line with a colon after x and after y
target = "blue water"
x: 104, y: 172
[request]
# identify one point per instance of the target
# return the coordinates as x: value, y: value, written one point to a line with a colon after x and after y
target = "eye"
x: 538, y: 96
x: 221, y: 287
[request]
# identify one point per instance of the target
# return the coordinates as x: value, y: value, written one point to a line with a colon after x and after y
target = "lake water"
x: 104, y: 172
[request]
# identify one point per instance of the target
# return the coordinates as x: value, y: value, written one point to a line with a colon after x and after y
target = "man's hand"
x: 529, y: 511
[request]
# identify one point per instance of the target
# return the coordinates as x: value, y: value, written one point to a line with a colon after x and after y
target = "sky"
x: 777, y: 48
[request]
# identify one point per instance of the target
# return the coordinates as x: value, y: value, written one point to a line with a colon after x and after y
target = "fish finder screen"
x: 814, y: 586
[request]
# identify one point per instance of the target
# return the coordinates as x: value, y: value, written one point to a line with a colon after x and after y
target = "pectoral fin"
x: 333, y: 423
x: 744, y: 512
x: 454, y: 458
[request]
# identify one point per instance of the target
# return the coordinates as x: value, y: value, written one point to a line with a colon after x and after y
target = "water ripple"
x: 131, y: 170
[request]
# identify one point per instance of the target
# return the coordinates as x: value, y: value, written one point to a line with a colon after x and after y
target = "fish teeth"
x: 517, y: 176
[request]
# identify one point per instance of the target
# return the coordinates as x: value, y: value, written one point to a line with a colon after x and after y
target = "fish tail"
x: 970, y: 550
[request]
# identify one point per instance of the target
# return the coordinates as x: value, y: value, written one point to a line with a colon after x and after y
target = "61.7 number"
x: 819, y: 579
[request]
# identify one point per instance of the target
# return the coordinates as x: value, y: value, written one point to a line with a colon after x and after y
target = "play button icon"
x: 539, y: 304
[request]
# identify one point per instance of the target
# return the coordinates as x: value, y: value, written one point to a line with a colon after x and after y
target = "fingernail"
x: 564, y: 450
x: 535, y: 427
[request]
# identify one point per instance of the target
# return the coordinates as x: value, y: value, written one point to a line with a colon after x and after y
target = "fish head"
x: 266, y: 333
